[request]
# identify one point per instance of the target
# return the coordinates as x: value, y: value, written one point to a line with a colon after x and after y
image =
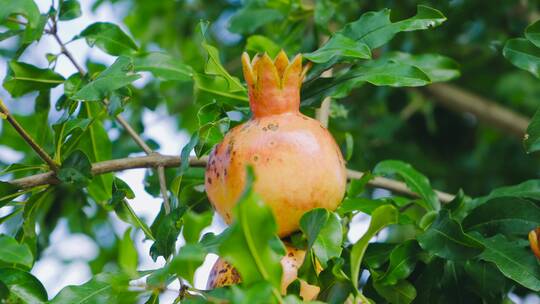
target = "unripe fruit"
x: 224, y: 274
x: 297, y: 164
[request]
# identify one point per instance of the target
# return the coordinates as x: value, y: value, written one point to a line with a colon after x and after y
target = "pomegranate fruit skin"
x: 224, y: 274
x: 297, y: 164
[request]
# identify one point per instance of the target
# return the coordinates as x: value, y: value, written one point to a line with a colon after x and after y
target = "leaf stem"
x: 29, y: 140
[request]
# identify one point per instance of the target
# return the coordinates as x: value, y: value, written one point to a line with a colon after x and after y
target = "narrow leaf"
x: 380, y: 218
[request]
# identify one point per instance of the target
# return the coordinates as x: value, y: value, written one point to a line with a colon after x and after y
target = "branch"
x: 22, y: 132
x: 157, y: 160
x: 484, y: 109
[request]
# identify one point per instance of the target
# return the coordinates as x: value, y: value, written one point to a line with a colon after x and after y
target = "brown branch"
x: 29, y: 140
x: 157, y: 160
x: 485, y: 110
x: 108, y: 166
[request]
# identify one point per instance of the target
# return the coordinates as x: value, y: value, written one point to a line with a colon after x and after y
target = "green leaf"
x: 401, y: 293
x: 340, y: 47
x: 69, y: 9
x: 109, y: 38
x: 124, y: 212
x: 248, y: 20
x: 213, y: 67
x: 194, y: 223
x: 261, y: 44
x: 376, y: 29
x: 387, y: 73
x: 186, y: 150
x: 486, y: 278
x: 324, y: 233
x: 95, y: 143
x: 357, y: 186
x: 76, y: 169
x: 506, y: 215
x: 163, y: 66
x: 32, y: 207
x: 417, y: 182
x: 118, y: 75
x: 165, y: 229
x: 437, y: 67
x: 29, y: 10
x: 527, y: 190
x: 8, y: 34
x: 23, y: 285
x: 24, y: 78
x: 102, y: 288
x: 523, y: 54
x: 7, y: 192
x: 380, y: 218
x: 120, y: 191
x: 403, y: 260
x: 532, y: 137
x: 246, y: 246
x: 11, y: 252
x: 445, y: 238
x: 209, y: 88
x: 64, y: 129
x: 189, y: 258
x: 532, y: 33
x: 513, y: 259
x: 127, y: 254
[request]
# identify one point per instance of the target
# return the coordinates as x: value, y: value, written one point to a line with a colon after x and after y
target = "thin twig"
x: 67, y: 53
x: 163, y: 188
x: 138, y: 140
x: 156, y: 160
x: 29, y: 140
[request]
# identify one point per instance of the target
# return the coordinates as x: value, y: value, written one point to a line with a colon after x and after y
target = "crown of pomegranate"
x: 273, y: 85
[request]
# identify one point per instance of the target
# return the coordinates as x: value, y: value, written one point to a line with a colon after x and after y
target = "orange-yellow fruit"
x: 224, y: 274
x: 297, y: 164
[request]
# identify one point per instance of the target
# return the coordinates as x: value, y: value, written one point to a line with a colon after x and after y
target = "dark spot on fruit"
x: 225, y: 172
x: 272, y: 143
x: 223, y: 270
x: 217, y: 174
x: 273, y: 127
x: 255, y: 157
x: 304, y: 118
x: 209, y: 180
x: 264, y: 129
x: 213, y: 161
x: 322, y: 127
x: 268, y: 159
x: 291, y: 254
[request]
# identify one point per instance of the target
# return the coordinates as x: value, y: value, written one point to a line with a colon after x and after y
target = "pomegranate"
x: 296, y: 161
x: 224, y: 274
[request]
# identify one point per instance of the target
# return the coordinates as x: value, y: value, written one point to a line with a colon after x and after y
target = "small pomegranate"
x: 224, y: 274
x: 297, y: 164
